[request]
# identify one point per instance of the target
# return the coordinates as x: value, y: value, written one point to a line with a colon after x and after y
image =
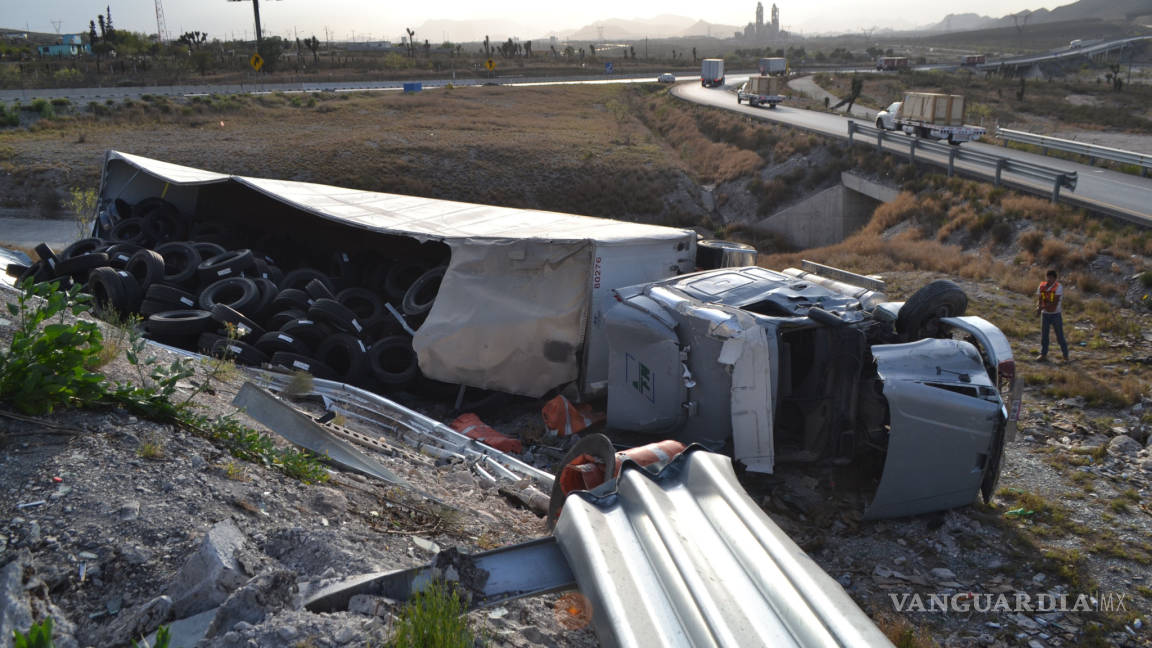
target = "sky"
x: 365, y: 19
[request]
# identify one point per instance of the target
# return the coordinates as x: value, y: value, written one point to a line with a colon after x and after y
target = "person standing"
x: 1049, y: 298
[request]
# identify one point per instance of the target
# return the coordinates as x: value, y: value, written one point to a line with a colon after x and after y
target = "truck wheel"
x: 952, y: 141
x: 920, y: 316
x: 880, y: 124
x: 738, y: 100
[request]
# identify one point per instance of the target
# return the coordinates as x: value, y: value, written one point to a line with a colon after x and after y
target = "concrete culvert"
x: 421, y: 294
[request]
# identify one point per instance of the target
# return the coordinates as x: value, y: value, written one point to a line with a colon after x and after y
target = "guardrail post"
x: 1056, y: 188
x: 851, y: 131
x: 912, y: 151
x: 951, y: 161
x: 879, y: 139
x: 999, y: 168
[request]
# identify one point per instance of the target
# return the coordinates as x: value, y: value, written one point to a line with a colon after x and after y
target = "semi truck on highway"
x: 929, y: 115
x: 973, y: 59
x: 712, y: 73
x: 761, y: 90
x: 773, y: 66
x: 892, y: 63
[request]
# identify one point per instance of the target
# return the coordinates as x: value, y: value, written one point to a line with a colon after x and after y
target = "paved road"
x: 27, y: 233
x: 1121, y: 194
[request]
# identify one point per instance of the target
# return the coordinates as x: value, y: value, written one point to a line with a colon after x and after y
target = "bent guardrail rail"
x: 995, y: 164
x: 1092, y: 151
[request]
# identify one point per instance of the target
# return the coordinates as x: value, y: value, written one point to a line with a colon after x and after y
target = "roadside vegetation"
x: 54, y: 358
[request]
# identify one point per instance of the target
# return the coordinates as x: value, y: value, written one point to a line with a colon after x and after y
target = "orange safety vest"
x: 1049, y: 300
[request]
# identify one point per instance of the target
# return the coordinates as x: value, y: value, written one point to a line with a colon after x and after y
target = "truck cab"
x: 793, y: 366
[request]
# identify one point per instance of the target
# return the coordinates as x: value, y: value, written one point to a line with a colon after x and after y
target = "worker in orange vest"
x: 1049, y: 297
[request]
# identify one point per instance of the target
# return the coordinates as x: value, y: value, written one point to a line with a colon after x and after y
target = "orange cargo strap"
x: 562, y: 418
x: 472, y: 427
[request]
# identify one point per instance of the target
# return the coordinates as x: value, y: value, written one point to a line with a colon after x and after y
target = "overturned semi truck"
x: 768, y: 367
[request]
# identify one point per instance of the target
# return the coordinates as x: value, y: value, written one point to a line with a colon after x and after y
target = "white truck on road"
x: 712, y: 72
x: 929, y: 115
x: 760, y: 90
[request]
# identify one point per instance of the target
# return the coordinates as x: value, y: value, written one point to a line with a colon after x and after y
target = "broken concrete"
x: 15, y: 610
x: 210, y: 574
x: 134, y: 623
x: 256, y: 600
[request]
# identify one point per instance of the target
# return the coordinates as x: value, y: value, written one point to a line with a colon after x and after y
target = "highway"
x: 1120, y: 194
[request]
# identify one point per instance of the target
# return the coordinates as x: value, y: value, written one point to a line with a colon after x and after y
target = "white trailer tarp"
x: 512, y: 310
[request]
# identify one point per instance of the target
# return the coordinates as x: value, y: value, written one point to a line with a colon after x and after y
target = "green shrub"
x: 49, y: 366
x: 44, y: 107
x: 39, y: 636
x: 9, y: 116
x: 433, y: 619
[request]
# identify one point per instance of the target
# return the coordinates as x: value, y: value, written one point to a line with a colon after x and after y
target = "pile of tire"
x: 205, y: 287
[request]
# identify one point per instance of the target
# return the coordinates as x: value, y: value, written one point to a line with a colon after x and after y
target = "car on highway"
x: 815, y: 365
x: 667, y: 77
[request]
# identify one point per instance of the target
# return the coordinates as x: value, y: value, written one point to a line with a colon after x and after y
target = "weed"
x: 48, y: 365
x: 44, y: 107
x: 300, y: 385
x: 234, y: 471
x: 151, y: 450
x: 163, y: 639
x: 82, y: 204
x: 38, y: 636
x: 433, y: 617
x: 1119, y: 505
x: 9, y: 116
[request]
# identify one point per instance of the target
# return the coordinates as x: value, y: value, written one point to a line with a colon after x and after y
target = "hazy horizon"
x: 358, y: 20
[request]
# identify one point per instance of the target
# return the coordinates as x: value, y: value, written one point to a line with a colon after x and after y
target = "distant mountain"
x: 467, y: 31
x: 705, y: 28
x: 1112, y: 10
x: 663, y: 26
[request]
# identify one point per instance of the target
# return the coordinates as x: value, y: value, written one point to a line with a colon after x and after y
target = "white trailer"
x: 521, y: 306
x: 712, y: 73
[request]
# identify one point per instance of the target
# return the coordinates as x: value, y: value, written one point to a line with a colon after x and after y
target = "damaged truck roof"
x: 520, y: 304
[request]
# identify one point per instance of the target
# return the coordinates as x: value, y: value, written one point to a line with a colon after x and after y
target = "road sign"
x: 608, y: 67
x: 490, y: 64
x: 256, y: 62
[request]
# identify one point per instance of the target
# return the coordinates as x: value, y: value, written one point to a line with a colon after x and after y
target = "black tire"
x: 310, y: 332
x: 421, y: 294
x: 738, y: 99
x: 216, y: 233
x: 233, y: 263
x: 336, y: 315
x: 880, y: 124
x: 299, y: 279
x: 240, y: 293
x: 401, y: 274
x: 297, y: 362
x: 292, y: 299
x: 112, y: 292
x: 119, y: 254
x: 81, y: 247
x: 366, y: 304
x: 162, y: 221
x: 150, y: 307
x: 16, y: 270
x: 381, y: 327
x: 219, y: 346
x: 179, y: 323
x: 347, y: 355
x: 344, y: 270
x: 392, y: 362
x: 317, y: 289
x: 246, y: 329
x: 130, y: 230
x: 268, y: 293
x: 919, y: 316
x: 207, y: 249
x: 147, y: 266
x: 275, y: 322
x: 44, y: 252
x: 276, y: 341
x: 79, y: 266
x: 181, y: 261
x: 177, y: 298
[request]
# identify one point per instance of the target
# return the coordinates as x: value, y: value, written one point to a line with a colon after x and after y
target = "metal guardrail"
x: 1092, y: 151
x: 996, y: 165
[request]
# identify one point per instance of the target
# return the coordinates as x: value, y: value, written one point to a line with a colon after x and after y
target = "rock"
x: 286, y: 633
x: 129, y: 511
x: 15, y: 609
x: 369, y: 605
x: 252, y: 603
x: 137, y: 621
x: 344, y: 635
x: 329, y: 501
x: 1122, y: 446
x: 426, y: 545
x: 210, y: 574
x: 1039, y: 578
x: 943, y: 574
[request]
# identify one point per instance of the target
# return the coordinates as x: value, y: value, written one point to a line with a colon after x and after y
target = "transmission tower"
x: 600, y: 32
x: 56, y: 25
x: 161, y: 28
